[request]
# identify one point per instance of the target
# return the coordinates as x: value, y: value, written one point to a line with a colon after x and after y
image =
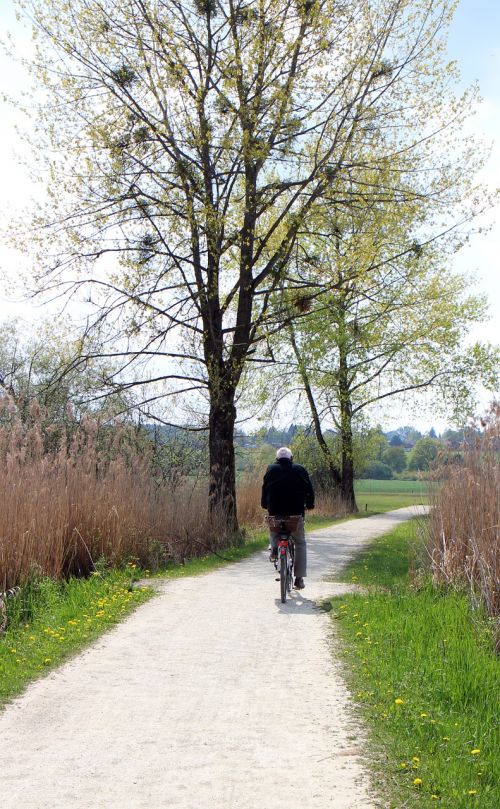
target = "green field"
x: 374, y: 496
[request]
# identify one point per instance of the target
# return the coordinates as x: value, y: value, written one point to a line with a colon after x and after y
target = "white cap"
x: 284, y: 452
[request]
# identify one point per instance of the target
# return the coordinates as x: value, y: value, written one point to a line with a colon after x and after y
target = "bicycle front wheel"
x: 283, y: 576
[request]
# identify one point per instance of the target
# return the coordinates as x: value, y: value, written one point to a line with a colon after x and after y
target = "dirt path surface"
x: 213, y: 695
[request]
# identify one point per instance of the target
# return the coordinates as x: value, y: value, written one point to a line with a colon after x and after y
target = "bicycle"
x: 285, y: 560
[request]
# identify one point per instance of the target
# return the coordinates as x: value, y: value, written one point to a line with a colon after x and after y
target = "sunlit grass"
x: 394, y: 486
x: 423, y: 671
x: 377, y: 496
x: 51, y: 620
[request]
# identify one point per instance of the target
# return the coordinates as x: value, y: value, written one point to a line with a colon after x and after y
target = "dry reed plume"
x: 465, y: 521
x: 70, y: 497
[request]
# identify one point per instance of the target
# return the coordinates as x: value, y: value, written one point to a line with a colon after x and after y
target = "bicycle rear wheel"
x: 283, y: 576
x: 290, y: 565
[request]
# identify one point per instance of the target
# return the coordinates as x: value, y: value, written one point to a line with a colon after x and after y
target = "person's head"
x: 284, y: 453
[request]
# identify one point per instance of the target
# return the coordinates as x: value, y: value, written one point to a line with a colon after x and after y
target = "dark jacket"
x: 286, y: 489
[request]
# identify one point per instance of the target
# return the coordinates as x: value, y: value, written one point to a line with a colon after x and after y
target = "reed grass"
x: 464, y: 529
x: 72, y: 495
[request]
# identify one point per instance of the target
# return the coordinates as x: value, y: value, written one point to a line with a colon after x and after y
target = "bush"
x: 377, y: 470
x: 395, y: 458
x: 424, y: 453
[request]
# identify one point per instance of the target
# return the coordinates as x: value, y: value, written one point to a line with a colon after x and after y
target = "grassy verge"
x: 51, y: 620
x: 423, y: 671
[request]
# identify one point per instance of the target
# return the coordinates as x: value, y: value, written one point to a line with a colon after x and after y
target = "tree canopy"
x: 189, y: 145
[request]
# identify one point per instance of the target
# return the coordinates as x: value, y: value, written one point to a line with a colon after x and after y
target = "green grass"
x: 52, y: 620
x: 386, y: 562
x: 377, y: 496
x: 414, y: 487
x: 378, y: 503
x: 423, y: 671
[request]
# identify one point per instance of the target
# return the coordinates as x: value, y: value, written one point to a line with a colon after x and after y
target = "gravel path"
x: 213, y: 695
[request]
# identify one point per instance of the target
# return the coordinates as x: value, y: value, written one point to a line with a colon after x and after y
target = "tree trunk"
x: 222, y: 485
x: 347, y: 482
x: 347, y: 472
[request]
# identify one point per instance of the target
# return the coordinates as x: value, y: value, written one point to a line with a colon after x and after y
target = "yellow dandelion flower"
x: 423, y: 715
x: 399, y: 701
x: 446, y: 738
x: 417, y: 781
x: 416, y: 759
x: 472, y: 792
x: 476, y: 751
x: 403, y: 765
x: 434, y: 797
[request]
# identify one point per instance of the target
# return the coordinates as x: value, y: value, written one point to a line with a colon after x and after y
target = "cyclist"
x: 287, y: 490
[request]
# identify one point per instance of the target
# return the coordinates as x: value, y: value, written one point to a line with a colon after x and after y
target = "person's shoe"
x: 273, y: 556
x: 299, y: 583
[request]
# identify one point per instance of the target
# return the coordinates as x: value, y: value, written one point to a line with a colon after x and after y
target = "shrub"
x: 377, y: 470
x: 395, y: 458
x: 424, y: 453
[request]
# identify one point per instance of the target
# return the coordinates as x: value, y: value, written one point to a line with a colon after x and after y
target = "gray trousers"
x: 299, y: 537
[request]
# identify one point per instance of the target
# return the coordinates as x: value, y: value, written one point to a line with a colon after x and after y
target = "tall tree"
x: 193, y: 139
x: 392, y: 324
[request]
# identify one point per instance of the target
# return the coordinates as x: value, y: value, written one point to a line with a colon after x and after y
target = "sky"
x: 474, y: 42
